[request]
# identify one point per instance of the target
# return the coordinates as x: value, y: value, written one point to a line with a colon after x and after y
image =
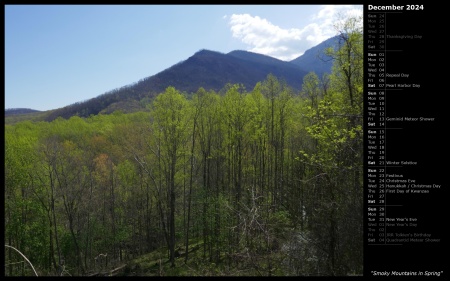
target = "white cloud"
x: 287, y: 44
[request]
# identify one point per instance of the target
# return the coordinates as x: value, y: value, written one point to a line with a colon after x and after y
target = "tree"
x: 170, y: 120
x: 25, y: 226
x: 334, y: 174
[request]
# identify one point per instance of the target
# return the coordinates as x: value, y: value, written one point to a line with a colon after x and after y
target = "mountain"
x: 15, y: 115
x: 315, y: 60
x: 16, y: 111
x: 208, y: 69
x: 213, y: 70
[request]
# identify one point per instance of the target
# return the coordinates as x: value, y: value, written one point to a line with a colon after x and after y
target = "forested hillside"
x: 252, y: 182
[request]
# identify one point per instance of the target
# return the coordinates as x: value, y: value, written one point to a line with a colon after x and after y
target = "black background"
x: 421, y: 142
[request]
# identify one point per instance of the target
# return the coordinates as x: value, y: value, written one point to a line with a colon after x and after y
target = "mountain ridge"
x: 15, y: 111
x: 315, y: 57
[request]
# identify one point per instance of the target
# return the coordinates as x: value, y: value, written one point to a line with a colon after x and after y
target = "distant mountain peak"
x: 13, y: 111
x: 206, y: 52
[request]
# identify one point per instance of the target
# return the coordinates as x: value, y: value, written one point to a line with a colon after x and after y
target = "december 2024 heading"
x: 395, y: 8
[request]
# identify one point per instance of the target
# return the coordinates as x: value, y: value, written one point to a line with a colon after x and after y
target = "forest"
x: 259, y: 182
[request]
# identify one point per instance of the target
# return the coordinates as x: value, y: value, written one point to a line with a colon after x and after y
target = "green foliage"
x: 334, y: 158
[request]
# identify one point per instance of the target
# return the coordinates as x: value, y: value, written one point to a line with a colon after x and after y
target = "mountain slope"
x: 314, y: 58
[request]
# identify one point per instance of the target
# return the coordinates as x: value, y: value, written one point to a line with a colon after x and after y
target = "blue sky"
x: 56, y: 55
